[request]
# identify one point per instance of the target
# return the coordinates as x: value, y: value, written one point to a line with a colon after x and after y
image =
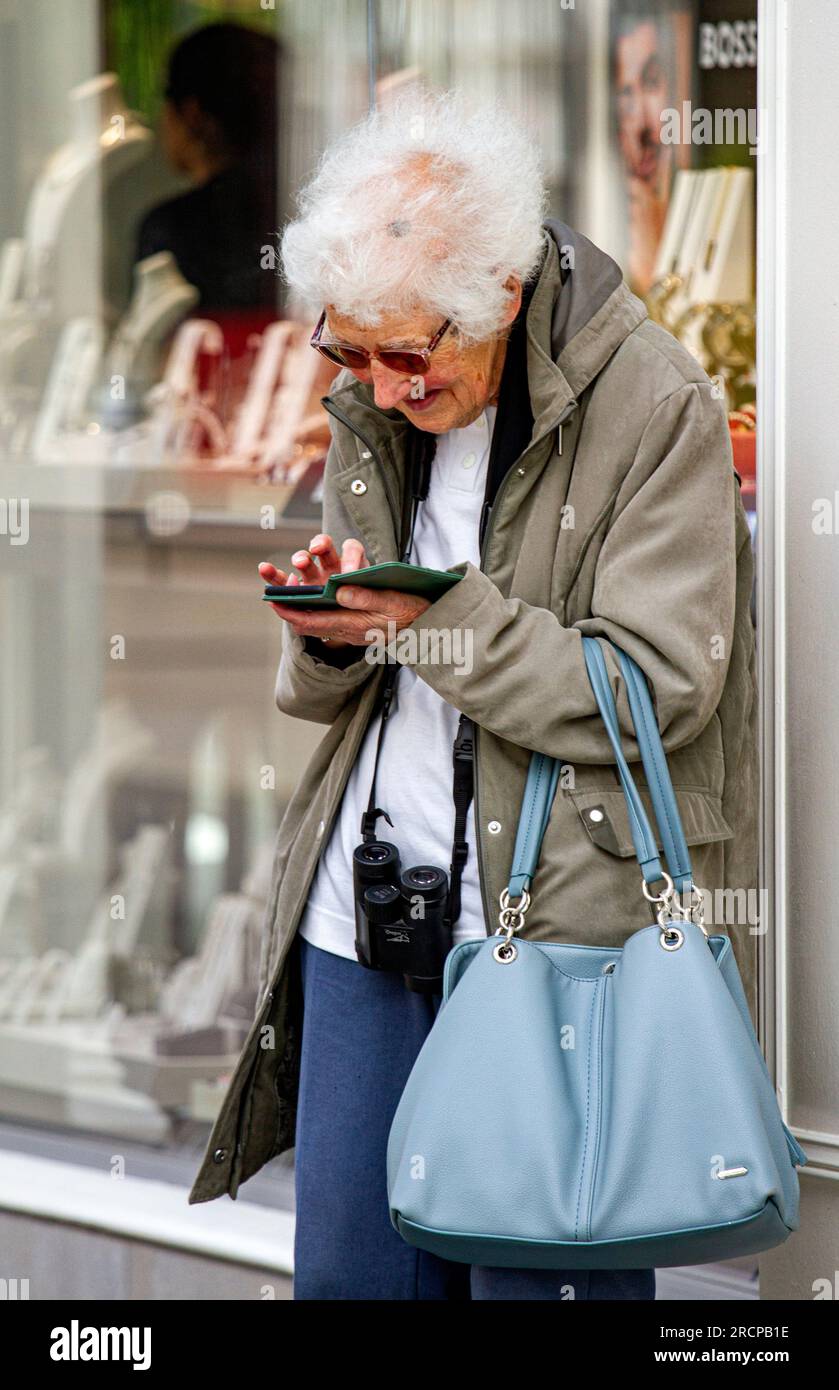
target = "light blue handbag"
x: 585, y: 1107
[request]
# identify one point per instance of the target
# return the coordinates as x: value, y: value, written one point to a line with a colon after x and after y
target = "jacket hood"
x: 589, y: 277
x: 578, y: 310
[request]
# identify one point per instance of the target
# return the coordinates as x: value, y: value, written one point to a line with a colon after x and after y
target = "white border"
x: 773, y: 215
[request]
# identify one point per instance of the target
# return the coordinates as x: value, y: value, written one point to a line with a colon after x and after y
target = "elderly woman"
x: 507, y: 410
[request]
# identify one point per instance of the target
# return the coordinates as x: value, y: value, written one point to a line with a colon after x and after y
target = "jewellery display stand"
x: 12, y: 256
x: 64, y: 215
x: 18, y: 909
x: 56, y: 1061
x: 58, y: 270
x: 161, y: 299
x: 78, y: 984
x: 204, y: 1013
x: 177, y: 410
x: 118, y: 743
x: 261, y: 438
x: 31, y: 815
x: 28, y: 825
x: 71, y: 1054
x: 204, y: 1009
x: 61, y: 866
x: 102, y: 1031
x: 53, y: 837
x: 66, y: 1075
x: 248, y: 435
x: 289, y: 406
x: 28, y: 338
x: 59, y: 435
x: 134, y: 421
x: 72, y: 260
x: 72, y: 427
x: 183, y: 428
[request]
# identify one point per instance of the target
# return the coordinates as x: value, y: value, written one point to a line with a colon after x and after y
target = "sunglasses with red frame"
x: 415, y: 362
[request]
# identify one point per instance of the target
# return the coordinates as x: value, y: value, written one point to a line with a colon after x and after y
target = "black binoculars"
x: 400, y: 916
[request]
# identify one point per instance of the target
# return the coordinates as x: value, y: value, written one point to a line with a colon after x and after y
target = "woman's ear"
x: 513, y: 287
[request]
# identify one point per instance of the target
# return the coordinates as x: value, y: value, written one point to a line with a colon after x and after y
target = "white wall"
x: 798, y: 403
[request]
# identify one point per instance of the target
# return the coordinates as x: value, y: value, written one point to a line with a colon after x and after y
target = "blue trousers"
x: 362, y: 1031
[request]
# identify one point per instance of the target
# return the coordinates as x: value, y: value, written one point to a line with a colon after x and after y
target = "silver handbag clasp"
x: 510, y: 919
x: 670, y: 910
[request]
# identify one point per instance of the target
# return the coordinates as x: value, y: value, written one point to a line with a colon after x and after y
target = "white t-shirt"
x: 414, y: 778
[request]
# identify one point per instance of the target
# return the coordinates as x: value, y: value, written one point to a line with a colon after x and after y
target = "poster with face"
x: 651, y: 50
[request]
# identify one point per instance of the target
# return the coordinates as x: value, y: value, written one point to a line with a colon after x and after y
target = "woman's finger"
x: 322, y: 549
x: 316, y: 623
x: 306, y: 563
x: 391, y: 604
x: 353, y: 556
x: 270, y: 574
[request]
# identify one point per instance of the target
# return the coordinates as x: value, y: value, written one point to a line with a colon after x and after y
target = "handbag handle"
x: 656, y: 770
x: 543, y: 775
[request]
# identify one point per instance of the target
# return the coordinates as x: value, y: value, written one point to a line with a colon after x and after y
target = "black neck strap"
x: 514, y: 415
x: 422, y: 449
x: 463, y: 754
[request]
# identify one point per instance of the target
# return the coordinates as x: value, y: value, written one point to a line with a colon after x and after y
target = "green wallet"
x: 393, y: 574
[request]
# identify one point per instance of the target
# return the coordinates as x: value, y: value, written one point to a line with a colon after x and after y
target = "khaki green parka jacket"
x: 621, y: 518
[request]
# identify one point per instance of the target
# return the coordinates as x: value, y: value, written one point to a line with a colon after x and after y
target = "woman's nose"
x: 389, y: 388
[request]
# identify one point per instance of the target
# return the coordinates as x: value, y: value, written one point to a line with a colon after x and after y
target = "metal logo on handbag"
x: 579, y: 1106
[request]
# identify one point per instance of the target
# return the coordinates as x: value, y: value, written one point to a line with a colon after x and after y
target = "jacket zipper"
x: 493, y: 510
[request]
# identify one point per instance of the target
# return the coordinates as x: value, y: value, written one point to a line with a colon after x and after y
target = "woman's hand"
x: 362, y: 610
x: 315, y: 565
x: 362, y: 614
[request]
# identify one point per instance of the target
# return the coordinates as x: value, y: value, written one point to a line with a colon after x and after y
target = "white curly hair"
x: 426, y: 206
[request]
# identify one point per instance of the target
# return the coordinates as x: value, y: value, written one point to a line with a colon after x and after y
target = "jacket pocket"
x: 603, y: 813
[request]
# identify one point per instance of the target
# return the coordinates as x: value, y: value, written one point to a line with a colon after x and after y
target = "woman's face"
x: 176, y: 137
x: 192, y: 139
x: 460, y: 380
x: 642, y: 88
